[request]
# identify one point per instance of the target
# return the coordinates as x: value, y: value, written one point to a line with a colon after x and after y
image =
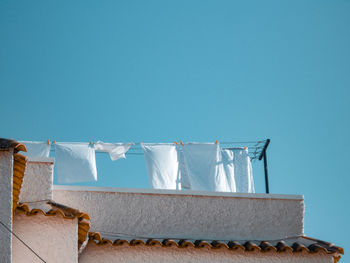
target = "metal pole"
x: 263, y: 155
x: 266, y: 173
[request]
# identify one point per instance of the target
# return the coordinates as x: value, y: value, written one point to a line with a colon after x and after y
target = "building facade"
x: 92, y: 224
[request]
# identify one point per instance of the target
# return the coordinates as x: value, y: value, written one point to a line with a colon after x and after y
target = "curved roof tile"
x: 280, y: 246
x: 6, y: 144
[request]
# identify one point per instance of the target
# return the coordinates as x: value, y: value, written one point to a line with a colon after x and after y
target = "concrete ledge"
x: 186, y: 214
x: 176, y: 192
x: 41, y: 159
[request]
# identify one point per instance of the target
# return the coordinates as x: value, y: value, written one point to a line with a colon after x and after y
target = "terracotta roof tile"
x: 301, y: 244
x: 297, y: 247
x: 267, y: 247
x: 19, y: 165
x: 202, y: 244
x: 137, y: 242
x: 6, y: 144
x: 250, y: 246
x: 169, y: 243
x: 217, y: 244
x: 153, y: 243
x: 282, y: 246
x: 235, y: 246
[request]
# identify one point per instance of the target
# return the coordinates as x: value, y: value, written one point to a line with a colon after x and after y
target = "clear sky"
x: 159, y: 71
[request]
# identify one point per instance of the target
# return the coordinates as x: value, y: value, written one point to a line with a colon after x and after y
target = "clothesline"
x: 254, y: 147
x: 209, y: 166
x: 139, y: 143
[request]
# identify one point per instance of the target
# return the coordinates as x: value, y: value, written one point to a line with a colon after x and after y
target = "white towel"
x: 75, y: 162
x: 204, y: 167
x: 243, y: 171
x: 37, y: 149
x: 183, y: 173
x: 228, y: 162
x: 116, y: 150
x: 162, y: 165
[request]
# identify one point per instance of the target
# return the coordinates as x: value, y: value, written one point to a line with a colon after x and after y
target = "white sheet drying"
x: 183, y: 173
x: 228, y: 162
x: 162, y: 165
x: 75, y: 162
x: 243, y: 171
x: 37, y: 149
x: 116, y: 150
x: 204, y: 167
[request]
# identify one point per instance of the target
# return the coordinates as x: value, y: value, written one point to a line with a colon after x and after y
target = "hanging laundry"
x: 243, y: 171
x: 183, y: 173
x: 228, y: 162
x: 116, y: 150
x: 37, y: 149
x: 162, y: 165
x: 75, y: 162
x: 204, y: 166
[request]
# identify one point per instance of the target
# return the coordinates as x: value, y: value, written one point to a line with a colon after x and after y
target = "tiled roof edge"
x: 247, y: 246
x: 19, y: 166
x: 326, y: 244
x: 6, y: 144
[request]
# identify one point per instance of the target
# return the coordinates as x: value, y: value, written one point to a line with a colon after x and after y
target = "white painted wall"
x: 38, y: 180
x: 191, y: 215
x: 6, y: 174
x: 55, y: 239
x: 123, y: 254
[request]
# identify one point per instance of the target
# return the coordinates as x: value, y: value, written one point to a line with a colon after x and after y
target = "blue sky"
x: 159, y: 71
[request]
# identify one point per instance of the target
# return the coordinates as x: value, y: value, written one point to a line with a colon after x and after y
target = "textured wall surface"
x: 6, y: 170
x: 110, y: 254
x: 189, y: 216
x: 37, y: 182
x: 55, y: 239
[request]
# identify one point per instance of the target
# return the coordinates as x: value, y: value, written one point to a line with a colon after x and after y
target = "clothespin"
x: 245, y: 147
x: 91, y: 143
x: 48, y: 141
x: 217, y: 142
x: 181, y: 143
x: 175, y: 143
x: 54, y: 142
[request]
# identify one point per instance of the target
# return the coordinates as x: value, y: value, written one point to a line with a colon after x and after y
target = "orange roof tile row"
x: 248, y: 246
x: 65, y: 212
x: 6, y: 144
x: 19, y: 166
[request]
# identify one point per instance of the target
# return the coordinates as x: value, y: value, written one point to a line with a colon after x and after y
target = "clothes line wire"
x: 254, y: 150
x: 32, y: 250
x: 140, y: 143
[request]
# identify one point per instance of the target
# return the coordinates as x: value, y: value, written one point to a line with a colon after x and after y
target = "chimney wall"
x: 6, y: 173
x: 38, y: 180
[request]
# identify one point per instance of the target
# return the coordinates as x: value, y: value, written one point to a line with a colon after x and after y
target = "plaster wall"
x: 111, y: 254
x: 6, y: 173
x: 55, y: 239
x: 168, y: 214
x: 37, y: 181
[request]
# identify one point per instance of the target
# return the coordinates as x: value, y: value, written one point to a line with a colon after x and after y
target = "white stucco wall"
x: 55, y: 239
x: 37, y: 181
x: 6, y: 173
x: 191, y: 215
x: 122, y: 254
